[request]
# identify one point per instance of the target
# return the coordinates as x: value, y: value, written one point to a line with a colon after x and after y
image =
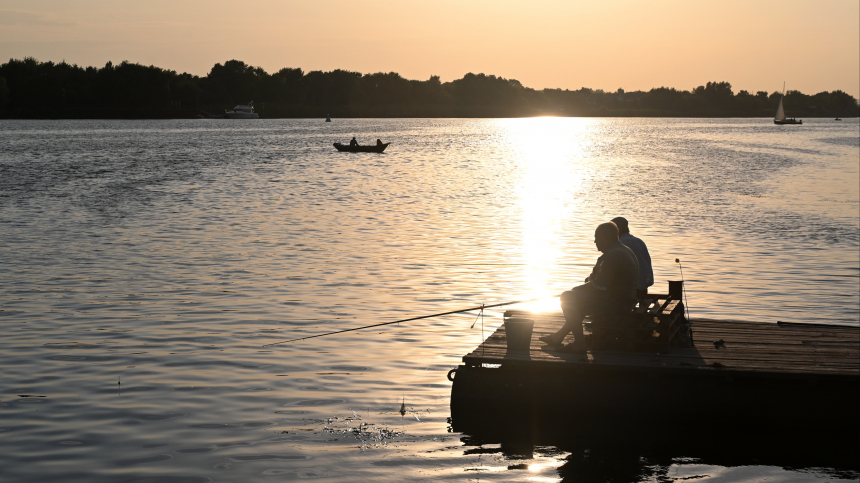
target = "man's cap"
x: 621, y: 223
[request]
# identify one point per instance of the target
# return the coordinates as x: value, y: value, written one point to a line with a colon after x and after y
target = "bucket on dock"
x: 518, y: 333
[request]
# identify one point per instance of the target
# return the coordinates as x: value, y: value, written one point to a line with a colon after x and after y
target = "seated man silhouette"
x: 379, y: 142
x: 610, y: 289
x: 353, y: 142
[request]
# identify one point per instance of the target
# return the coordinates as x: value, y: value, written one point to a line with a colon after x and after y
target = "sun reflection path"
x: 549, y: 151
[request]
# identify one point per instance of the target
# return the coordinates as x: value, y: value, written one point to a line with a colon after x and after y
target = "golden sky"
x: 604, y: 44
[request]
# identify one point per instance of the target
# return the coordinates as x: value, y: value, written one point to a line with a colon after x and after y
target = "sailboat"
x: 779, y: 118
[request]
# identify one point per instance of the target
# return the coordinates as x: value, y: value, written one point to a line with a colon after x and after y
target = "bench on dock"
x: 655, y: 324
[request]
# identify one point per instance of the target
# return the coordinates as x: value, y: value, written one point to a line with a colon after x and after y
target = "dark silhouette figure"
x: 646, y: 273
x: 353, y: 142
x: 610, y: 289
x: 379, y: 142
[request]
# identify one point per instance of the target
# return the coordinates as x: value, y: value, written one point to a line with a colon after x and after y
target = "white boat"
x: 780, y: 118
x: 242, y: 112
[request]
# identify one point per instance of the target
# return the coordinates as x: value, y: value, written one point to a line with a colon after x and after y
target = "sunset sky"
x: 635, y: 45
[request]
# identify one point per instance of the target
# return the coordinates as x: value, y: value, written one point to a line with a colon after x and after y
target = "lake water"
x: 145, y: 264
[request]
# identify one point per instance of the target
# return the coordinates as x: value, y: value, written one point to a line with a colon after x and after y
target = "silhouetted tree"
x: 330, y: 88
x: 287, y: 84
x: 4, y: 93
x: 235, y: 79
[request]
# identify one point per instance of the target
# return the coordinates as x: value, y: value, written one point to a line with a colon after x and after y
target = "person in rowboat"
x: 646, y: 273
x: 610, y: 289
x: 353, y: 142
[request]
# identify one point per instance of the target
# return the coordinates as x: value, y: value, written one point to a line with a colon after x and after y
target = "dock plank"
x: 749, y: 347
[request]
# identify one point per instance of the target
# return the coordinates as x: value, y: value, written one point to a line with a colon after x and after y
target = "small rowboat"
x: 373, y: 148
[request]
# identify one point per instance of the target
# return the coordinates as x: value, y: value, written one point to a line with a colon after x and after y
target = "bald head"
x: 605, y: 236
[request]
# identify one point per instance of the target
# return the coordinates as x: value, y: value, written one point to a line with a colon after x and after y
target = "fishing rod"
x: 481, y: 307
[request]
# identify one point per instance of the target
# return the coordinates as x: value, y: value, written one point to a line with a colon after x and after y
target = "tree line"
x: 33, y: 89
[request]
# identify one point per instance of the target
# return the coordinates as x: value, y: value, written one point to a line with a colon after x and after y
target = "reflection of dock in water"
x: 761, y: 374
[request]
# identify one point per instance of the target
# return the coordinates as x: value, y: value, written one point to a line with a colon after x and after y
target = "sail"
x: 780, y: 113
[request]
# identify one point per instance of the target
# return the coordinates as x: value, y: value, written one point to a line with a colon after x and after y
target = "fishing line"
x: 483, y: 346
x: 480, y: 315
x: 470, y: 309
x: 686, y: 303
x: 684, y: 286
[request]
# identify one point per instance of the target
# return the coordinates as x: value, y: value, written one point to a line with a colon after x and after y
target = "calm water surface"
x: 146, y: 263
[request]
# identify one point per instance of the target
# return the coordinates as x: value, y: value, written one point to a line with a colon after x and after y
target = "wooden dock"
x: 759, y: 372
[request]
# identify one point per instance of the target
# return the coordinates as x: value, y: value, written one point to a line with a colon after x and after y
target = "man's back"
x: 646, y: 273
x: 617, y: 272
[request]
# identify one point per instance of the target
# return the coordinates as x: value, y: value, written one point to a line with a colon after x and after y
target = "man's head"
x: 621, y: 223
x: 605, y: 236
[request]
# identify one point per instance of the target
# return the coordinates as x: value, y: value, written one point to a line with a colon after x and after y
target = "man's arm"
x: 602, y: 276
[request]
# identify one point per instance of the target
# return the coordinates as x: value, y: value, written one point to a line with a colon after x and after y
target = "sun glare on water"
x: 549, y: 149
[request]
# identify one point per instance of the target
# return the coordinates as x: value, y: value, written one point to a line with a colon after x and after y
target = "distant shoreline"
x: 33, y: 90
x: 172, y: 114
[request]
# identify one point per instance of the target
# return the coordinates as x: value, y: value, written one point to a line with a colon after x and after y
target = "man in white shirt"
x: 646, y: 274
